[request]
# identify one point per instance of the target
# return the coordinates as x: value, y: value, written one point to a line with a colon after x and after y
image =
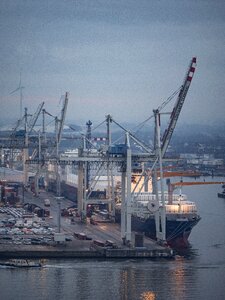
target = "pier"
x: 85, y: 241
x: 82, y: 239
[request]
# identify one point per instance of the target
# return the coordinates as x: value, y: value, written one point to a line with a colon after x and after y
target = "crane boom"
x: 172, y: 186
x: 63, y: 115
x: 35, y: 117
x: 179, y: 173
x: 178, y: 106
x: 195, y: 183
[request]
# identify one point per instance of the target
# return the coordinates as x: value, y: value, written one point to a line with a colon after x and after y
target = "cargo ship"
x: 181, y: 217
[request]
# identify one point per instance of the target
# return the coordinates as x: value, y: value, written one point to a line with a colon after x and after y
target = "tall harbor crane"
x: 178, y: 106
x: 161, y: 145
x: 62, y: 119
x: 43, y: 143
x: 59, y: 123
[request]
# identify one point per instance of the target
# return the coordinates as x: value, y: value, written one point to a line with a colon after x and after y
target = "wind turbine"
x: 20, y: 88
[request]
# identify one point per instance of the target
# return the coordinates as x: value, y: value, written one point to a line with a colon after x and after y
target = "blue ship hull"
x: 177, y: 230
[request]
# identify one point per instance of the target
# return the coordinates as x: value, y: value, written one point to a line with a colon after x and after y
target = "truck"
x: 59, y: 237
x: 47, y: 202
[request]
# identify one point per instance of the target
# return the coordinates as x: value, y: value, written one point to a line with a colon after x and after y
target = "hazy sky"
x: 119, y: 57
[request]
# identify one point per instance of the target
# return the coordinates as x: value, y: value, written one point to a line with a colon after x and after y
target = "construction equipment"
x: 161, y: 145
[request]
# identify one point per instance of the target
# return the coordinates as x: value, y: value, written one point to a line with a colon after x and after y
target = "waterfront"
x: 199, y: 274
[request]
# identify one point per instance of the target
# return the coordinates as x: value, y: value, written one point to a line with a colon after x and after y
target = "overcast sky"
x: 119, y: 57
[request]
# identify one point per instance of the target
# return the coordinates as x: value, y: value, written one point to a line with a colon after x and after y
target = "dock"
x: 88, y: 241
x: 83, y: 240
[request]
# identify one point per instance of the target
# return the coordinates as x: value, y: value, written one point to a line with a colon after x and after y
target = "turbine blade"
x: 20, y: 80
x: 14, y: 91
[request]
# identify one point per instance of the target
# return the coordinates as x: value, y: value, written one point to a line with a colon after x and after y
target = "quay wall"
x: 104, y: 253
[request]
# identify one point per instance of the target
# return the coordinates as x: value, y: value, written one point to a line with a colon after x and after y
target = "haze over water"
x: 198, y: 274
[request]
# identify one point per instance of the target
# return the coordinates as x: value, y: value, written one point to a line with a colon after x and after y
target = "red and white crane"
x: 161, y: 145
x: 178, y: 106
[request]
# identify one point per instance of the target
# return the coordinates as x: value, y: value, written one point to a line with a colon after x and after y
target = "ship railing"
x: 181, y: 208
x: 177, y: 207
x: 146, y: 196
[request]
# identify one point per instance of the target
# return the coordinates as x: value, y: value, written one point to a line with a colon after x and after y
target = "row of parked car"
x: 15, y: 212
x: 16, y: 228
x: 18, y: 240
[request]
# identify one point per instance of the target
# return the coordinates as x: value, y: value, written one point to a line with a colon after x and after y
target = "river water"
x: 199, y: 273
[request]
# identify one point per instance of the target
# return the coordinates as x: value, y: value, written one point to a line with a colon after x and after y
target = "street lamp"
x: 59, y: 199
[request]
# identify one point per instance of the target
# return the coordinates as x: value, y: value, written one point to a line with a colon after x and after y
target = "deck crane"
x: 178, y: 106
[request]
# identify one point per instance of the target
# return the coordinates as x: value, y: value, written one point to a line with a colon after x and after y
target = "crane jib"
x: 178, y: 106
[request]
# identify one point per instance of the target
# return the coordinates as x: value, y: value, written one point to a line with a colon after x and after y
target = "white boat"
x: 20, y: 263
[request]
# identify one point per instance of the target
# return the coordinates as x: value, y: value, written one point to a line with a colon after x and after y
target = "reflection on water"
x: 131, y: 279
x: 126, y: 279
x: 148, y: 296
x: 187, y: 253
